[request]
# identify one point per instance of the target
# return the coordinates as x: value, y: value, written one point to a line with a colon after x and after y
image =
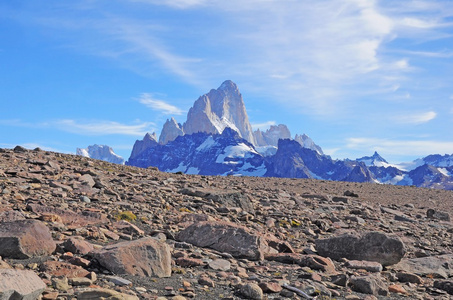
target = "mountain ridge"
x: 272, y: 151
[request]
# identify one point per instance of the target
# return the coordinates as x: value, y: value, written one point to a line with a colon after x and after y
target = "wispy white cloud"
x: 95, y: 127
x: 263, y: 126
x: 181, y: 4
x: 104, y: 127
x: 160, y: 105
x: 398, y: 147
x: 417, y: 118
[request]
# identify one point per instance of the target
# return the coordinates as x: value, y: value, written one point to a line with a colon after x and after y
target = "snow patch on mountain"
x: 101, y: 152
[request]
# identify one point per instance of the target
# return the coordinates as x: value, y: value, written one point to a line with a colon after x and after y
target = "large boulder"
x: 234, y: 239
x: 142, y: 257
x: 372, y: 246
x: 25, y: 239
x: 20, y: 284
x: 435, y: 266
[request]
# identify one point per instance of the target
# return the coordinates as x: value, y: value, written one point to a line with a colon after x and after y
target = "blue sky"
x: 357, y: 76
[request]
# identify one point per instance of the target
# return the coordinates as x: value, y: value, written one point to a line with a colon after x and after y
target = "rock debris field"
x: 76, y: 228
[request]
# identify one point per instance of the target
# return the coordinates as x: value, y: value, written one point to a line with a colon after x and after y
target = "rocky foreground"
x: 76, y: 228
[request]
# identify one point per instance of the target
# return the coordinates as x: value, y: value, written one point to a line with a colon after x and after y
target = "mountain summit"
x: 219, y: 109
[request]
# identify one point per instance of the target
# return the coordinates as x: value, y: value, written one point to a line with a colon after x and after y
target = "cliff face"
x: 218, y: 109
x: 149, y: 141
x: 170, y: 131
x: 271, y: 136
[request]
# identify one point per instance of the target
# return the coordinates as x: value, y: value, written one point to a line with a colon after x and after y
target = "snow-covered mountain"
x: 374, y: 161
x: 307, y: 142
x: 433, y: 171
x: 204, y: 154
x: 101, y: 152
x: 219, y: 109
x: 170, y: 131
x: 271, y: 136
x: 217, y: 139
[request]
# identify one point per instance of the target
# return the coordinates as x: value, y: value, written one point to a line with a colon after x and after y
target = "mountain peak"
x: 228, y: 85
x: 170, y: 131
x: 374, y: 160
x: 219, y: 109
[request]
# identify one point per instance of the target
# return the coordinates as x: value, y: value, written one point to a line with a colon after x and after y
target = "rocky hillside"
x: 76, y: 228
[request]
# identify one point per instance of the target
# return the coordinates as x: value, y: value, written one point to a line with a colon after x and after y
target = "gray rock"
x: 369, y: 285
x: 20, y: 284
x: 439, y: 215
x: 372, y: 246
x: 220, y: 264
x: 237, y: 240
x: 445, y: 285
x: 437, y: 266
x: 25, y: 239
x: 77, y: 246
x: 252, y: 291
x: 142, y: 257
x: 370, y: 266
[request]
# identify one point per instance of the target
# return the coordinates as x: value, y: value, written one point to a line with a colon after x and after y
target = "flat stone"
x: 220, y: 264
x: 187, y: 262
x: 77, y: 246
x: 20, y: 284
x: 25, y: 239
x: 371, y: 246
x: 118, y: 280
x: 11, y: 215
x: 59, y: 268
x: 368, y: 285
x: 252, y: 291
x: 436, y: 266
x: 370, y: 266
x: 239, y: 241
x: 142, y: 257
x: 100, y: 293
x: 70, y: 218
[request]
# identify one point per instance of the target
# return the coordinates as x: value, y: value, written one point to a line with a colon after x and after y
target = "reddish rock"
x: 189, y: 262
x: 127, y: 227
x: 58, y: 268
x: 237, y: 240
x: 143, y: 257
x: 20, y: 284
x: 270, y: 287
x: 70, y: 218
x: 370, y: 266
x: 11, y: 215
x: 24, y: 239
x: 396, y: 288
x: 317, y: 262
x: 77, y: 246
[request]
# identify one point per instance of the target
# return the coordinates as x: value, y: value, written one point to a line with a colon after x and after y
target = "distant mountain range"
x: 217, y: 139
x: 101, y: 152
